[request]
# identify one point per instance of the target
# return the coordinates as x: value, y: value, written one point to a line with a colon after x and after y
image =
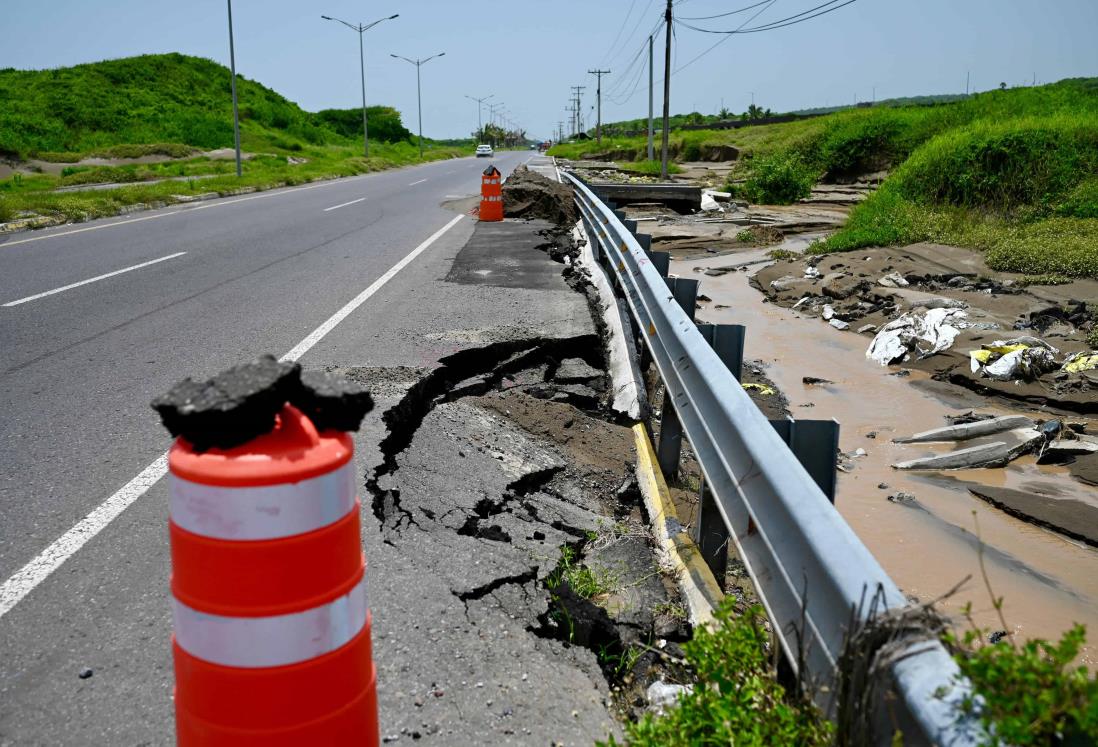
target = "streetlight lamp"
x: 419, y: 96
x: 361, y: 29
x: 480, y: 127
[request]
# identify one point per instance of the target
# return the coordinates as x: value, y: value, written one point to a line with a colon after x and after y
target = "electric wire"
x: 721, y: 15
x: 759, y: 12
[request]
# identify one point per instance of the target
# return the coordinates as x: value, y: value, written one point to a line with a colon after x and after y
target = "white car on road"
x: 484, y: 150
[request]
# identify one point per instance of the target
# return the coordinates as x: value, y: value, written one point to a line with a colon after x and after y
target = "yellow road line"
x: 699, y: 589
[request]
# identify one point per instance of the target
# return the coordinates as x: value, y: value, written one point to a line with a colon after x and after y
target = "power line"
x: 722, y: 15
x: 770, y: 3
x: 779, y: 24
x: 621, y: 28
x: 787, y: 21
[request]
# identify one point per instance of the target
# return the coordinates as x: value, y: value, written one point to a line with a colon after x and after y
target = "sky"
x: 528, y: 53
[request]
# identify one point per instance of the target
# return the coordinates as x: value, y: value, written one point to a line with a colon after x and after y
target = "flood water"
x: 1047, y: 581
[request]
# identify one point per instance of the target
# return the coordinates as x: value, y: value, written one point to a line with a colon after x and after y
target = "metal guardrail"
x: 812, y: 573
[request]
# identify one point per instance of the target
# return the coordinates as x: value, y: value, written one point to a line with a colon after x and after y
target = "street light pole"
x: 361, y: 29
x: 480, y: 101
x: 236, y: 110
x: 598, y: 96
x: 419, y: 98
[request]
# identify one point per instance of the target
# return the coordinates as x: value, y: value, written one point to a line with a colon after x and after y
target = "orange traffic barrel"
x: 272, y: 628
x: 491, y: 195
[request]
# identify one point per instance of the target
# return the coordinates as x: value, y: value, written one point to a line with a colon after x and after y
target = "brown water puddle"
x: 1048, y: 582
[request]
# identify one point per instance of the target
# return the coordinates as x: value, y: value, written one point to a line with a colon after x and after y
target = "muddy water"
x: 1048, y: 582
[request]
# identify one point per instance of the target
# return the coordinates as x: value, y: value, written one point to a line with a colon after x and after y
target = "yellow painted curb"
x: 677, y: 550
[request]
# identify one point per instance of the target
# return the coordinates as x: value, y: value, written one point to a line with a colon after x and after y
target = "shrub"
x: 780, y: 179
x: 1082, y: 202
x: 1033, y: 693
x: 736, y: 700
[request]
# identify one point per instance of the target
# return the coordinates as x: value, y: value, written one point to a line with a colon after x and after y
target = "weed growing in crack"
x: 738, y: 700
x: 586, y: 582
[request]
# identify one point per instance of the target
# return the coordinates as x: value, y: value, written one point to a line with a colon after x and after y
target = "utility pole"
x: 236, y: 111
x: 651, y: 148
x: 968, y: 75
x: 361, y: 29
x: 666, y: 90
x: 577, y: 94
x: 598, y: 97
x: 419, y: 97
x: 480, y: 127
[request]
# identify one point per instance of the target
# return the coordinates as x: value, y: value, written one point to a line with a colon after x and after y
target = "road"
x: 95, y: 320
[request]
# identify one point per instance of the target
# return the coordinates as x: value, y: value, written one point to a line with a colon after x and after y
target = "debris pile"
x: 528, y: 194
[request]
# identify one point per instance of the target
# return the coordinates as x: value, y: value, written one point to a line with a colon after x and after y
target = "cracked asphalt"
x: 464, y: 522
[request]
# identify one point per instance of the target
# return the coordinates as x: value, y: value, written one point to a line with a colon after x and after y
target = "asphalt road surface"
x: 98, y: 318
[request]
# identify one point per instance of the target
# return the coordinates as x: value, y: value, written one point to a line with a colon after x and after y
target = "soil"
x: 998, y: 307
x: 528, y: 194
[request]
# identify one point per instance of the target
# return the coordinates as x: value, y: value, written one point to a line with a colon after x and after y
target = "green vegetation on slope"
x: 175, y: 106
x: 169, y: 98
x: 1011, y: 173
x: 737, y: 699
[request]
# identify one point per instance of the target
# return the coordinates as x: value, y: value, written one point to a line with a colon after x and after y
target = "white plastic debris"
x: 893, y: 280
x: 1023, y: 358
x: 839, y: 324
x: 922, y: 334
x: 708, y: 203
x: 828, y: 312
x: 661, y: 694
x: 811, y: 273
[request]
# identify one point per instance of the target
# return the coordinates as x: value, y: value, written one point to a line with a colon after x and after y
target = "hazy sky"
x: 527, y: 53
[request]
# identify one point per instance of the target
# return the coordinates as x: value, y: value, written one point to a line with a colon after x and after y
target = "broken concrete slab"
x: 1069, y: 517
x: 576, y: 371
x: 966, y: 431
x: 996, y: 454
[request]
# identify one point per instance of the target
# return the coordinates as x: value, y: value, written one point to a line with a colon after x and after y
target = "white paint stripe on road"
x: 345, y: 204
x: 418, y: 182
x: 318, y: 334
x: 36, y: 571
x: 46, y: 562
x: 92, y: 280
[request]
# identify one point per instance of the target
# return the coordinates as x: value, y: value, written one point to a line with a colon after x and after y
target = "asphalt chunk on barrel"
x: 233, y: 407
x: 331, y: 401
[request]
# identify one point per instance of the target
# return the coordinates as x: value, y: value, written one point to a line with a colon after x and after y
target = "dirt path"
x: 926, y: 543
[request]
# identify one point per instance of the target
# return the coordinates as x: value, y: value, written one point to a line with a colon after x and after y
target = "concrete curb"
x: 625, y: 377
x: 677, y: 550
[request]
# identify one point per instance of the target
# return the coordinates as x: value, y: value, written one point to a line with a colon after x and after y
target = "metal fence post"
x: 645, y: 241
x: 670, y: 446
x: 815, y: 443
x: 727, y: 341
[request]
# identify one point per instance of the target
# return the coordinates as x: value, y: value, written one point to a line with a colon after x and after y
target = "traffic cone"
x: 272, y: 628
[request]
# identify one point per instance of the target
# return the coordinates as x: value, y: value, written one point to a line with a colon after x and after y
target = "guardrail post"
x: 685, y: 292
x: 710, y: 531
x: 645, y: 241
x: 661, y: 261
x: 815, y: 443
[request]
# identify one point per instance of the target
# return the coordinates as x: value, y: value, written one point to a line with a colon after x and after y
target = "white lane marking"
x: 204, y: 206
x: 345, y: 204
x: 92, y: 280
x: 415, y: 183
x: 318, y: 334
x: 13, y: 590
x: 47, y: 561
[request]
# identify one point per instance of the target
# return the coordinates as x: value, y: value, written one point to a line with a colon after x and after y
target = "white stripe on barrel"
x: 264, y: 512
x: 280, y: 640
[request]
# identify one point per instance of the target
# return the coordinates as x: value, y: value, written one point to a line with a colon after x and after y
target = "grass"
x: 736, y: 699
x: 586, y: 582
x: 649, y: 168
x: 175, y: 106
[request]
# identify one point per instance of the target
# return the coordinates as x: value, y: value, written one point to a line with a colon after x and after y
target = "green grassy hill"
x: 1013, y: 173
x: 170, y: 98
x: 176, y: 107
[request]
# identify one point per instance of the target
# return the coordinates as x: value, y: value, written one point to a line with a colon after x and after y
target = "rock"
x: 871, y: 434
x: 784, y: 283
x: 812, y: 380
x: 811, y: 273
x: 902, y: 497
x: 576, y: 371
x: 231, y: 408
x: 839, y: 324
x: 840, y: 287
x: 85, y: 673
x: 828, y: 312
x: 882, y: 486
x: 660, y: 695
x: 332, y: 402
x: 1065, y: 450
x: 997, y: 635
x: 939, y: 303
x: 867, y: 328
